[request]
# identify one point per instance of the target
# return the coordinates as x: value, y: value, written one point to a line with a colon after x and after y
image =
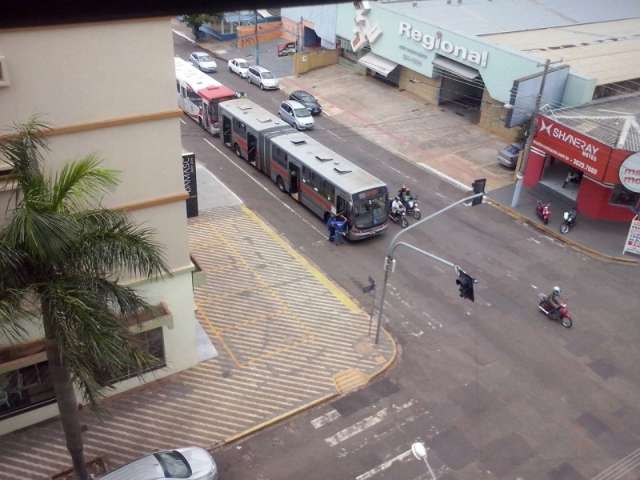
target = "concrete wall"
x: 266, y: 32
x: 426, y: 88
x: 304, y: 62
x: 578, y: 90
x: 492, y: 117
x: 109, y: 89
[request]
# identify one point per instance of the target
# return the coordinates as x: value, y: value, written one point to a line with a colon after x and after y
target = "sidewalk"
x: 286, y: 336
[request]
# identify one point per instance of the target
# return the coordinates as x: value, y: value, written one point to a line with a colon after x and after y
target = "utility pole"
x: 256, y: 35
x: 532, y: 127
x: 389, y: 261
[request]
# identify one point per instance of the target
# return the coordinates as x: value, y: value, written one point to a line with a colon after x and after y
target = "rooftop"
x: 614, y: 121
x: 485, y: 17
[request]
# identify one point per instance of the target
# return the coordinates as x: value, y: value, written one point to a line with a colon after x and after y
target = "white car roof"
x: 294, y: 104
x: 200, y: 54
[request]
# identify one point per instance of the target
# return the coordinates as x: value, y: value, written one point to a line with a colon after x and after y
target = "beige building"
x: 109, y: 89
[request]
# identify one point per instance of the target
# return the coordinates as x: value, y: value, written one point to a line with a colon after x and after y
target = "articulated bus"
x: 199, y: 95
x: 319, y: 178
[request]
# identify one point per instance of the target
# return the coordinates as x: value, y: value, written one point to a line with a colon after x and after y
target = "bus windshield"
x: 370, y: 208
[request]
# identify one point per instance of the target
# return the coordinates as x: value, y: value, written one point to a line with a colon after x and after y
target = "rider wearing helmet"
x: 396, y: 205
x: 554, y: 297
x: 405, y: 194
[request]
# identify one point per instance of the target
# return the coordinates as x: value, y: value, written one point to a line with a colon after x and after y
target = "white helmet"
x: 556, y: 290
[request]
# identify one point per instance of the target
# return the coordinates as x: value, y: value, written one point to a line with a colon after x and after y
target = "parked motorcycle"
x: 399, y: 217
x: 411, y: 204
x: 543, y: 211
x: 560, y: 314
x: 568, y: 220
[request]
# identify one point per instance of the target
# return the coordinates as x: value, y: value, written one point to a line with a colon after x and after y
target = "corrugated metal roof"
x: 485, y: 17
x: 607, y: 51
x: 615, y: 121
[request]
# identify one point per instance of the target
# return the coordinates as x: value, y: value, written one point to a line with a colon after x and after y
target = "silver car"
x: 296, y: 115
x: 191, y: 463
x: 262, y: 77
x: 203, y: 61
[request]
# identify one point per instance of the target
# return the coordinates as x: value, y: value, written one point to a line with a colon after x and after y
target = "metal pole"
x: 395, y: 243
x: 256, y: 35
x: 532, y: 127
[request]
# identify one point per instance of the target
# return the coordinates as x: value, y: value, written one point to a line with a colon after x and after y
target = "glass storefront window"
x: 25, y: 389
x: 623, y: 197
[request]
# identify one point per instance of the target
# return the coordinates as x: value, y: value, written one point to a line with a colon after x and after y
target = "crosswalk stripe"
x: 325, y: 419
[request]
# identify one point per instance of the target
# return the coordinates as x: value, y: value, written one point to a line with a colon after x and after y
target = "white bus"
x: 319, y: 178
x: 199, y: 95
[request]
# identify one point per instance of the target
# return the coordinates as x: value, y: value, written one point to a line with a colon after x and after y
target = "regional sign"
x: 581, y: 152
x: 630, y: 173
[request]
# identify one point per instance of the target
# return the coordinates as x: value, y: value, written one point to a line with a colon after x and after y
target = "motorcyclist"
x: 554, y: 298
x: 405, y: 194
x: 396, y: 206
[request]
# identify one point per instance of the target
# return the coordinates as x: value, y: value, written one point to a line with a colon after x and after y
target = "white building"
x: 106, y: 88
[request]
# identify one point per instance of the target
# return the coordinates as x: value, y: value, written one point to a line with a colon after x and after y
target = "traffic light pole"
x: 395, y: 243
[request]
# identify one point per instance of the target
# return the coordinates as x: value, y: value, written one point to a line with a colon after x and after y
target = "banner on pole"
x: 632, y: 244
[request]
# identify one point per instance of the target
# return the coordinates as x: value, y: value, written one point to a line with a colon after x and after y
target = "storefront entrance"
x: 561, y: 178
x: 461, y: 88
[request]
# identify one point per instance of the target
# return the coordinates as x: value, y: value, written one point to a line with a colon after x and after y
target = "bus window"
x: 305, y: 174
x: 239, y: 127
x: 328, y: 190
x: 178, y: 86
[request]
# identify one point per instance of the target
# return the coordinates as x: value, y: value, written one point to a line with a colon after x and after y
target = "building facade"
x: 107, y: 89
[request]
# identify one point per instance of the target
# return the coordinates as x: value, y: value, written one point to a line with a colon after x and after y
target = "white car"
x: 239, y: 66
x: 191, y: 463
x: 296, y: 115
x: 203, y: 61
x: 262, y: 77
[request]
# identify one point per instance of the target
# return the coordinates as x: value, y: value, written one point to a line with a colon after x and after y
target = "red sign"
x: 581, y: 152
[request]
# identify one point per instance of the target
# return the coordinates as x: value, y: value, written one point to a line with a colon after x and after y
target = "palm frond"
x: 81, y: 182
x: 14, y: 314
x: 22, y: 149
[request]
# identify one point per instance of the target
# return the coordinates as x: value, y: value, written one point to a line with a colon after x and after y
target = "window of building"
x: 239, y: 127
x: 623, y: 197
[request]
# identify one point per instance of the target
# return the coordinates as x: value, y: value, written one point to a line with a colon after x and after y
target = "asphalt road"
x: 492, y: 388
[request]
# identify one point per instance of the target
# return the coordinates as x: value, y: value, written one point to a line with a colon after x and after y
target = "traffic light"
x: 478, y: 187
x: 465, y: 284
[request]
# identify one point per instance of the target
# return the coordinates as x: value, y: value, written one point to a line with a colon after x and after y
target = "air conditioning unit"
x: 4, y: 72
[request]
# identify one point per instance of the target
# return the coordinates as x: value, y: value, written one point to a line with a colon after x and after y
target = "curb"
x: 580, y: 247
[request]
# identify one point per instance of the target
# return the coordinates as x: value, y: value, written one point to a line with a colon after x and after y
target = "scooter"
x: 569, y: 220
x: 400, y: 217
x: 561, y: 314
x: 543, y: 211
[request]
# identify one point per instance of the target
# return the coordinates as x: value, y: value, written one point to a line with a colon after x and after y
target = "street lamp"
x: 420, y: 452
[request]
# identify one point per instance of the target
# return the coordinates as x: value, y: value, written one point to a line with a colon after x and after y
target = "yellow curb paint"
x: 340, y: 294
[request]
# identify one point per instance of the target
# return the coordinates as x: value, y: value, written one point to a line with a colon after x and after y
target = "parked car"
x: 307, y: 100
x: 286, y: 49
x: 296, y: 115
x: 239, y: 66
x: 191, y: 463
x: 508, y: 156
x: 203, y: 61
x: 262, y: 78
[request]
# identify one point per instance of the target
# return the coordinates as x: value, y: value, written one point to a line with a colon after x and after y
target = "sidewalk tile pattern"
x: 284, y: 333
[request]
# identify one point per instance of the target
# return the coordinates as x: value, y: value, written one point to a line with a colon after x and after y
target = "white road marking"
x: 384, y: 466
x: 622, y: 467
x: 323, y: 420
x: 445, y: 177
x: 534, y: 286
x: 328, y: 130
x: 265, y: 188
x: 531, y: 239
x: 182, y: 35
x: 356, y: 428
x: 182, y: 121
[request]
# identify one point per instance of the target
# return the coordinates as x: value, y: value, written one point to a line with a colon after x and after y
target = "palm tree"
x: 60, y: 257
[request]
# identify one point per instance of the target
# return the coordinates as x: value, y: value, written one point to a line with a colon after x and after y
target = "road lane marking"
x: 621, y: 467
x: 182, y: 35
x: 330, y: 132
x: 356, y: 428
x: 325, y: 419
x: 322, y: 234
x: 183, y: 122
x: 384, y: 466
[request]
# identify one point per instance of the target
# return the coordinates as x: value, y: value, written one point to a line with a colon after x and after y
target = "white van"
x: 262, y: 78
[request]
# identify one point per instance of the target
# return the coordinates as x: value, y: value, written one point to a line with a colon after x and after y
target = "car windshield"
x: 370, y: 208
x: 242, y: 64
x: 267, y: 75
x: 513, y: 149
x: 301, y: 112
x: 173, y: 464
x: 204, y: 58
x: 305, y: 96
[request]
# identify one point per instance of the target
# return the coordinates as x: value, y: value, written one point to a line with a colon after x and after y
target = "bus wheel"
x: 236, y: 148
x: 280, y: 184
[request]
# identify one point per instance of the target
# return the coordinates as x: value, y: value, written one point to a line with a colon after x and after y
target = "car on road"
x: 262, y: 77
x: 508, y: 156
x: 203, y: 61
x: 296, y: 115
x: 239, y: 66
x: 191, y: 463
x: 307, y: 100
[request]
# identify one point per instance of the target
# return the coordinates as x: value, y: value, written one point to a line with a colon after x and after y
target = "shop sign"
x: 438, y: 42
x: 632, y: 244
x: 581, y: 152
x: 630, y: 173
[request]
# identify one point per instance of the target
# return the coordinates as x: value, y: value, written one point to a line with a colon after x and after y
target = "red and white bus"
x: 199, y: 95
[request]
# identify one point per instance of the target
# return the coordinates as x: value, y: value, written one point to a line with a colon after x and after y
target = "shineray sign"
x: 431, y: 42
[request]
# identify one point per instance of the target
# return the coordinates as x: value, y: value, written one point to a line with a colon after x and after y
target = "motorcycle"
x: 560, y: 314
x: 543, y: 211
x: 399, y: 217
x: 569, y: 220
x: 411, y: 204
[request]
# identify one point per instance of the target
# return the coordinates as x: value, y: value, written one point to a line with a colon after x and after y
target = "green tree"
x: 60, y: 257
x: 195, y: 22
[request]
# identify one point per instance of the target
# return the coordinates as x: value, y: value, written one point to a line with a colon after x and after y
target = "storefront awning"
x: 456, y: 68
x: 378, y: 64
